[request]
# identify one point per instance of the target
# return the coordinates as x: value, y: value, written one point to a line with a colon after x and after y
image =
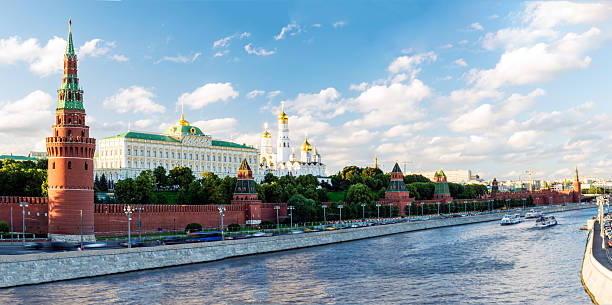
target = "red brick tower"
x: 245, y: 193
x: 577, y: 188
x: 70, y: 167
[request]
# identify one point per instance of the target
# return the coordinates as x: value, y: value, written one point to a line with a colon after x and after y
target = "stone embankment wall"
x: 596, y: 278
x: 48, y: 267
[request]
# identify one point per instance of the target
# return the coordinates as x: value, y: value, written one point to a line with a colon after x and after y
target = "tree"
x: 273, y: 192
x: 160, y: 177
x: 415, y: 178
x: 181, y: 176
x: 425, y: 190
x: 103, y: 184
x: 270, y: 178
x: 144, y: 185
x: 4, y: 227
x: 125, y: 191
x: 304, y: 208
x: 359, y: 193
x: 307, y: 180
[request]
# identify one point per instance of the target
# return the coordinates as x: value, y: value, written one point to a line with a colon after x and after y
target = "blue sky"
x: 496, y: 87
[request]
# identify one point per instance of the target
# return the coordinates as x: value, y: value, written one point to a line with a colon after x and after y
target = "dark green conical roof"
x: 244, y: 166
x: 70, y: 45
x: 396, y: 168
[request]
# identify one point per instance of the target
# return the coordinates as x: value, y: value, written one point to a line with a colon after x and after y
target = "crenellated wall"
x: 36, y: 213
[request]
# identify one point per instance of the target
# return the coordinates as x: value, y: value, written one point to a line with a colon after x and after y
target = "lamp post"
x: 221, y: 210
x: 81, y: 230
x: 290, y: 208
x: 438, y: 204
x: 23, y: 205
x: 139, y: 224
x: 324, y: 217
x: 378, y: 211
x: 449, y: 211
x: 390, y: 205
x: 363, y: 211
x: 128, y: 212
x: 422, y: 209
x: 409, y: 210
x: 276, y: 207
x: 524, y: 200
x: 507, y: 203
x: 474, y: 202
x: 340, y: 207
x: 465, y: 207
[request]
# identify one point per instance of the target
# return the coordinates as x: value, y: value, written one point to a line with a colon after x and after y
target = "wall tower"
x: 70, y: 153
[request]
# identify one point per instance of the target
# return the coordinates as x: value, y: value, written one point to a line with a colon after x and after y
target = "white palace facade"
x: 127, y: 154
x: 285, y: 161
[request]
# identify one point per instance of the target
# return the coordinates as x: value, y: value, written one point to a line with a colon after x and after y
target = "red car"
x: 610, y: 243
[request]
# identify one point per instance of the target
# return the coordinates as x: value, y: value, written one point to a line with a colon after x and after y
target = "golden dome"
x: 182, y: 121
x: 266, y: 134
x: 306, y: 146
x: 283, y: 116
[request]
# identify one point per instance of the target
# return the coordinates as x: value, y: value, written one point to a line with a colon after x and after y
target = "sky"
x: 498, y: 87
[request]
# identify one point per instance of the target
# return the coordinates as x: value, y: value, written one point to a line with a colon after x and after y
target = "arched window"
x: 79, y: 121
x: 69, y: 121
x: 69, y: 132
x: 56, y: 134
x: 53, y: 165
x: 86, y: 166
x: 69, y: 164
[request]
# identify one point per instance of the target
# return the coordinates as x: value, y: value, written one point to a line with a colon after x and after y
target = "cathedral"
x: 285, y: 161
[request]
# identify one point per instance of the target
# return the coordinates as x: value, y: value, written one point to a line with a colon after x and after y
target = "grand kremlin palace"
x: 127, y: 154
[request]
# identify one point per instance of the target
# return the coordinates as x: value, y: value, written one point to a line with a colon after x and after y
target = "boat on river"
x: 545, y: 221
x: 510, y: 220
x: 533, y: 214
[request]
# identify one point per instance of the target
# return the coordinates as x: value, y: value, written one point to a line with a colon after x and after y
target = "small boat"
x: 545, y: 221
x: 510, y: 220
x: 585, y: 228
x: 533, y: 214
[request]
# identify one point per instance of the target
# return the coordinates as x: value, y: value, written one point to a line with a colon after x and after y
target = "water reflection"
x: 481, y: 263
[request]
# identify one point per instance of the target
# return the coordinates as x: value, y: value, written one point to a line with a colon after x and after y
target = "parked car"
x: 259, y: 234
x: 172, y: 240
x: 62, y: 246
x: 94, y: 245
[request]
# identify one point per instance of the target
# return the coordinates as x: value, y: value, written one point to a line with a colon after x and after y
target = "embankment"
x: 48, y: 267
x: 596, y: 278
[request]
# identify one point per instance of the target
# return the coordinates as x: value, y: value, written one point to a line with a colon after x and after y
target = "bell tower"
x: 70, y: 153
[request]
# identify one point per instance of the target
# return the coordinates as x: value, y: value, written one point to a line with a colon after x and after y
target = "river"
x: 477, y: 263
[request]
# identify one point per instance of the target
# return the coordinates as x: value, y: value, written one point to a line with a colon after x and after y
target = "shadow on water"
x: 479, y: 263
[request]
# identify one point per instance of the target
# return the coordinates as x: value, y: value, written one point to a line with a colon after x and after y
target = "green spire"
x: 70, y: 46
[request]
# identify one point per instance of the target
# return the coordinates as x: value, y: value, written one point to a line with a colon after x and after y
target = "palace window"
x: 129, y: 151
x: 190, y: 156
x: 69, y: 164
x: 142, y: 152
x: 166, y: 154
x: 85, y: 165
x: 53, y: 165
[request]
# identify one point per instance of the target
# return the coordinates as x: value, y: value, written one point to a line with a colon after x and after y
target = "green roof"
x: 185, y: 129
x: 165, y: 138
x: 17, y: 158
x: 229, y: 144
x: 144, y: 136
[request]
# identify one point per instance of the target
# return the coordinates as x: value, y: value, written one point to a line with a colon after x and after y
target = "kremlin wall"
x: 69, y: 211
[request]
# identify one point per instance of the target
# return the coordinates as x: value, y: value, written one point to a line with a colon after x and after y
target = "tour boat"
x: 533, y: 214
x: 545, y: 221
x: 510, y: 220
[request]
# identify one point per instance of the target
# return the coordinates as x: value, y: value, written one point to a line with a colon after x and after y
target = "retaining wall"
x: 596, y: 278
x: 48, y: 267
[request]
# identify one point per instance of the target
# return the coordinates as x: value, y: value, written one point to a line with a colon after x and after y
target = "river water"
x: 478, y: 263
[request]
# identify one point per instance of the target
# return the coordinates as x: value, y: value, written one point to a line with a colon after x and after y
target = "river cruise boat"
x: 510, y: 220
x: 533, y: 214
x: 545, y: 221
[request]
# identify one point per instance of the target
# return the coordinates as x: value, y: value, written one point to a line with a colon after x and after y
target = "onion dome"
x: 266, y: 134
x: 283, y: 116
x: 306, y: 146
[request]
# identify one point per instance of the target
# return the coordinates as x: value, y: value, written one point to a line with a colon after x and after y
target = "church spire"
x: 70, y: 45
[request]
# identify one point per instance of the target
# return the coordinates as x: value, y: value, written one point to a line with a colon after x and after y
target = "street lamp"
x: 340, y: 207
x: 324, y: 217
x: 221, y: 210
x: 128, y: 212
x: 524, y: 199
x: 81, y: 230
x: 449, y: 207
x: 465, y: 207
x: 438, y: 204
x: 390, y: 205
x: 12, y: 224
x: 507, y: 203
x: 290, y: 208
x: 378, y: 211
x: 474, y: 202
x: 409, y: 210
x: 276, y: 207
x: 139, y: 223
x: 23, y: 205
x: 422, y: 209
x: 363, y: 211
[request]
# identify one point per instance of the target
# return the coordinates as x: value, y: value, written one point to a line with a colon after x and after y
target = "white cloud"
x: 273, y: 94
x: 95, y: 48
x: 258, y: 51
x: 221, y: 53
x: 461, y: 62
x: 487, y: 116
x: 316, y: 25
x: 384, y: 105
x: 409, y: 63
x: 462, y: 42
x: 289, y: 29
x: 338, y: 24
x: 447, y: 46
x: 208, y: 94
x: 539, y: 62
x: 119, y: 58
x: 494, y: 16
x: 362, y: 86
x: 180, y: 58
x: 549, y: 14
x: 222, y: 127
x: 323, y: 103
x: 476, y: 26
x: 143, y: 123
x: 136, y: 99
x: 523, y: 139
x: 253, y: 94
x: 225, y: 41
